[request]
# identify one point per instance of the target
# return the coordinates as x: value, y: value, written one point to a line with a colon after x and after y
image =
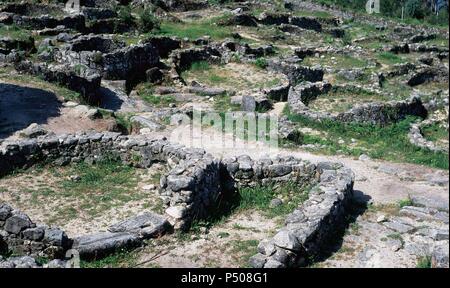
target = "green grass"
x: 200, y: 66
x: 245, y: 249
x: 261, y: 63
x: 158, y: 100
x: 343, y: 99
x: 391, y: 10
x: 223, y: 104
x: 424, y: 262
x: 14, y: 32
x: 233, y: 76
x: 435, y: 132
x: 405, y: 202
x: 259, y: 198
x: 123, y: 120
x: 389, y: 58
x: 318, y: 14
x: 340, y: 61
x: 195, y: 30
x: 380, y: 142
x: 250, y: 199
x: 121, y: 259
x: 146, y: 92
x: 102, y: 186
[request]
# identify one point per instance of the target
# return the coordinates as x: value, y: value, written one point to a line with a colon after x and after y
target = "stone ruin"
x: 194, y: 185
x: 374, y: 113
x: 83, y: 52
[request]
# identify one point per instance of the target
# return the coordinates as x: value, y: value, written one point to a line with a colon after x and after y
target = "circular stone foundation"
x: 193, y: 187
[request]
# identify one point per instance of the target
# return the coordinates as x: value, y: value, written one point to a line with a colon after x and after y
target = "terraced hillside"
x: 195, y: 133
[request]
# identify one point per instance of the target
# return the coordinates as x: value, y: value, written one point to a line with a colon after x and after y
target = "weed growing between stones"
x: 424, y: 262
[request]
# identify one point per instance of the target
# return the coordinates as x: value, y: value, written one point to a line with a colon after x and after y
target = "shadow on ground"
x: 21, y: 106
x: 357, y: 206
x: 110, y: 99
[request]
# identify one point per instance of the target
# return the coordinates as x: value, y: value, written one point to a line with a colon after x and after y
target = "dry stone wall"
x: 194, y: 185
x: 312, y: 224
x: 373, y: 113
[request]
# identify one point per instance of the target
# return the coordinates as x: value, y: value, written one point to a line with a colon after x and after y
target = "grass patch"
x: 200, y: 66
x: 261, y: 63
x: 195, y: 30
x: 121, y: 259
x: 424, y: 262
x: 14, y: 32
x: 223, y: 103
x: 232, y: 76
x: 259, y: 198
x: 381, y: 142
x: 123, y: 120
x: 339, y: 61
x: 318, y: 14
x: 98, y: 188
x: 242, y: 250
x: 343, y: 99
x: 405, y: 202
x: 434, y: 132
x: 101, y: 186
x: 146, y: 92
x: 389, y: 58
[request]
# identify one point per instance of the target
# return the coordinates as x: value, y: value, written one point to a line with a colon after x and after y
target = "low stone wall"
x: 20, y: 236
x: 76, y: 22
x: 245, y: 19
x: 384, y: 113
x: 164, y: 44
x: 183, y: 59
x: 108, y: 57
x: 311, y: 225
x: 296, y: 73
x: 416, y: 138
x: 246, y: 172
x: 429, y: 74
x: 193, y: 187
x: 374, y: 113
x: 86, y: 86
x: 301, y: 95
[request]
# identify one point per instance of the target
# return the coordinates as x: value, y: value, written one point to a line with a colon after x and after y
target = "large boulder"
x: 17, y: 223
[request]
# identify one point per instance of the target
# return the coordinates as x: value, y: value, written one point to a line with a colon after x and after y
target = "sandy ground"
x: 228, y: 244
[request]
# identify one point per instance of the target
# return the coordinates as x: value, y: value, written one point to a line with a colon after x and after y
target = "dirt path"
x: 384, y: 182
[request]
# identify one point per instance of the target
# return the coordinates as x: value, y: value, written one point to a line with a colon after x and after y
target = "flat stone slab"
x: 147, y: 225
x: 425, y: 213
x: 398, y: 226
x: 431, y: 201
x: 100, y: 244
